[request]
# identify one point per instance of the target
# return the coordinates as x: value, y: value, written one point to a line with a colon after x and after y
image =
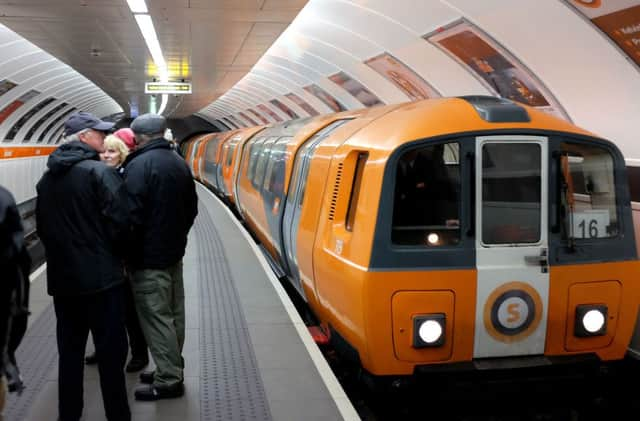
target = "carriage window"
x: 274, y: 178
x: 261, y: 166
x: 511, y: 183
x: 254, y: 151
x: 426, y: 204
x: 588, y: 192
x: 210, y: 149
x: 232, y: 149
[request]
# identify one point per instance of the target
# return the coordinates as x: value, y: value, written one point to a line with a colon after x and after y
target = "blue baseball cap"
x: 82, y: 120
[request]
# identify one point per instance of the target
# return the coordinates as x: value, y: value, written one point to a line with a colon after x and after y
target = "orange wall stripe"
x: 9, y: 152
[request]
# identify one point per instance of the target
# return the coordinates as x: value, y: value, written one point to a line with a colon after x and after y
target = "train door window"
x: 261, y: 165
x: 274, y: 177
x: 588, y: 192
x: 254, y: 151
x: 355, y: 190
x: 232, y: 148
x: 426, y: 208
x: 511, y: 193
x: 210, y: 151
x: 307, y: 152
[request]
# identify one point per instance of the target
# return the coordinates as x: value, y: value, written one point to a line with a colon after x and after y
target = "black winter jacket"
x: 15, y: 264
x: 82, y: 220
x: 163, y: 205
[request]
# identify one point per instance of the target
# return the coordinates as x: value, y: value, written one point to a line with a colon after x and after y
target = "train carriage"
x: 468, y: 231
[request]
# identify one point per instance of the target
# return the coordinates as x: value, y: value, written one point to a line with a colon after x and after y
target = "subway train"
x: 454, y: 233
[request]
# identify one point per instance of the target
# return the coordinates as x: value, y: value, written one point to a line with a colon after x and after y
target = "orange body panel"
x: 614, y: 284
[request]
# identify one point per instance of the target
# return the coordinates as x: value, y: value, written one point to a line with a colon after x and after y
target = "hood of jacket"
x: 69, y: 154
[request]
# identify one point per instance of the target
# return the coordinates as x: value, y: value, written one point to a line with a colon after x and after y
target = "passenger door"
x: 511, y: 245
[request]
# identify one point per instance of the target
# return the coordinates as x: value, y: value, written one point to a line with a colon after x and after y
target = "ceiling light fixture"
x: 149, y: 33
x: 137, y: 6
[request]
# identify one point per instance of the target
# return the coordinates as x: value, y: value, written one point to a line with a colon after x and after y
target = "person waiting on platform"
x: 126, y: 135
x: 163, y: 207
x: 115, y: 152
x: 82, y: 217
x: 15, y: 264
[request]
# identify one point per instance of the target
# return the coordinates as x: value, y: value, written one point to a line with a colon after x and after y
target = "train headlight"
x: 591, y: 320
x: 433, y: 239
x: 429, y: 330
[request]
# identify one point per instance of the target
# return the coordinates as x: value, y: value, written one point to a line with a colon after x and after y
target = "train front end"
x: 500, y: 245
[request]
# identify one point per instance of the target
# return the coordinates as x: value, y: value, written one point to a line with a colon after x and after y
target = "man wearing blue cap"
x: 163, y: 206
x: 81, y: 217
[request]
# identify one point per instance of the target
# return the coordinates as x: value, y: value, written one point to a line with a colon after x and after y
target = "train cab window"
x: 426, y: 209
x: 511, y: 191
x: 587, y: 189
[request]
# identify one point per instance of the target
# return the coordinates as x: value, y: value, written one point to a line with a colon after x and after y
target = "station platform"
x: 248, y: 355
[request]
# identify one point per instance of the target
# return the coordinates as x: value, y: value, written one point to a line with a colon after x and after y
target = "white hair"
x: 75, y: 136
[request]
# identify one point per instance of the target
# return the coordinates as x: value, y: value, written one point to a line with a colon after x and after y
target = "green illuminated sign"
x: 167, y: 88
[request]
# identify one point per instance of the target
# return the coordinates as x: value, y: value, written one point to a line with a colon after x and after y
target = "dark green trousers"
x: 159, y: 298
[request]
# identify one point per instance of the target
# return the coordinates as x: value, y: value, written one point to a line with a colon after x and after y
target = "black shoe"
x: 146, y: 377
x: 137, y: 364
x: 154, y: 393
x: 91, y: 359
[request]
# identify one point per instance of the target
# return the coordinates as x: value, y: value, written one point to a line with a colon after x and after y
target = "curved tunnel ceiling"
x: 37, y: 91
x: 577, y: 59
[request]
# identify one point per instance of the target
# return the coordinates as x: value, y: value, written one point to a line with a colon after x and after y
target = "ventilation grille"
x: 334, y: 195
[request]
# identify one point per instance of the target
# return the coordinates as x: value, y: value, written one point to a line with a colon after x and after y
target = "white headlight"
x: 433, y: 238
x: 430, y: 331
x: 593, y: 320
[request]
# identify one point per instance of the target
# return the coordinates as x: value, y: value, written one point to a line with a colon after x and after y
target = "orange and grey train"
x: 443, y: 233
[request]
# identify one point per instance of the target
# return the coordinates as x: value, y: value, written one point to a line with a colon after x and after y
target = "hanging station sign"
x: 167, y: 88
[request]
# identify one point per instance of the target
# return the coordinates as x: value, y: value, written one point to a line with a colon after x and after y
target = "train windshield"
x: 427, y: 197
x: 588, y: 194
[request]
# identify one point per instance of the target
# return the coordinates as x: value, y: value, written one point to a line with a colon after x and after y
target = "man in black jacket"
x: 163, y: 206
x: 82, y: 217
x: 14, y: 289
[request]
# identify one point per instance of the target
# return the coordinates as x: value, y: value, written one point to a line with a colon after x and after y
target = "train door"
x: 295, y: 197
x: 511, y: 245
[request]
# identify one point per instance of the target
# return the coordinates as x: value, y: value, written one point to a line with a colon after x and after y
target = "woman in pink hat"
x: 127, y: 136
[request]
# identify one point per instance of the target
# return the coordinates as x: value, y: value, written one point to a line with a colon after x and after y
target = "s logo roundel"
x: 512, y: 312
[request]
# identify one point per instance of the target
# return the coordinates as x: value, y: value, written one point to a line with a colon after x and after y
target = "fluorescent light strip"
x: 137, y: 6
x: 149, y: 33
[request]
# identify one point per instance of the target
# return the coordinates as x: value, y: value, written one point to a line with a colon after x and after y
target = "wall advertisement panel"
x: 355, y: 88
x: 497, y: 69
x: 288, y: 111
x: 269, y: 112
x: 618, y: 19
x: 258, y: 116
x: 249, y: 119
x: 325, y: 97
x: 401, y: 75
x: 302, y: 104
x: 9, y: 109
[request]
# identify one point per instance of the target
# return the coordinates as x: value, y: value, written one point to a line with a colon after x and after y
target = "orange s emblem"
x: 514, y: 314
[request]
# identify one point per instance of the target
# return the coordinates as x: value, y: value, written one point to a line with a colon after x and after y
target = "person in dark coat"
x: 15, y: 265
x: 163, y: 207
x: 82, y: 219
